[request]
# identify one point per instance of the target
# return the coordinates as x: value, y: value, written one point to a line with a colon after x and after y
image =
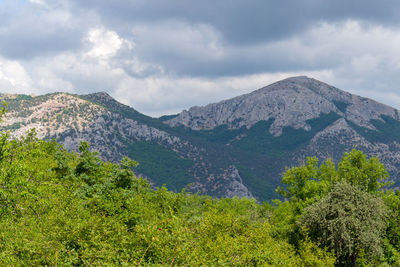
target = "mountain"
x: 290, y: 103
x: 236, y: 147
x: 166, y: 156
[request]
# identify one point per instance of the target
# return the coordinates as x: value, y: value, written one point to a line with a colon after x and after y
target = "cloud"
x: 37, y: 29
x: 245, y: 22
x: 104, y: 43
x: 165, y: 56
x: 38, y: 2
x: 167, y: 95
x: 13, y: 75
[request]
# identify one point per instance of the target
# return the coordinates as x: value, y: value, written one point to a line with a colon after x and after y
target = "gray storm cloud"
x: 164, y: 56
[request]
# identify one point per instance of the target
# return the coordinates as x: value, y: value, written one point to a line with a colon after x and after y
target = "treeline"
x: 71, y: 209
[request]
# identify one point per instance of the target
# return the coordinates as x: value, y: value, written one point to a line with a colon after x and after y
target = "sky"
x: 163, y: 56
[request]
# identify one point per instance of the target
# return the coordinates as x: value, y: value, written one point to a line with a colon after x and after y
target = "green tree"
x: 392, y: 236
x: 349, y: 221
x: 368, y: 174
x: 308, y: 184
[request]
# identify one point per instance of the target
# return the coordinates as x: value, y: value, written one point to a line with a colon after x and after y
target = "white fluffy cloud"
x: 104, y: 43
x: 13, y: 76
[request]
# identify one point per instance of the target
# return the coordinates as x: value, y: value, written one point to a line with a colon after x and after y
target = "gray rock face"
x: 235, y: 187
x: 341, y: 137
x: 290, y: 102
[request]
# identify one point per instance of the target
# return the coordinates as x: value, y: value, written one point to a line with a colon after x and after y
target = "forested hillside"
x: 59, y: 208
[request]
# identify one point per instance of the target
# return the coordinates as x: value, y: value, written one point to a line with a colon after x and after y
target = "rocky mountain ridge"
x: 236, y: 147
x: 291, y: 102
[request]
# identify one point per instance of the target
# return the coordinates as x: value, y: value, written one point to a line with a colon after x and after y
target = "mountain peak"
x: 303, y: 82
x: 104, y: 96
x: 300, y: 78
x: 299, y: 83
x: 289, y: 103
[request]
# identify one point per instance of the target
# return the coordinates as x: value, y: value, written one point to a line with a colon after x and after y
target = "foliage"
x: 62, y: 208
x: 392, y: 237
x: 23, y: 97
x: 259, y: 140
x: 161, y: 164
x: 262, y: 188
x: 3, y: 109
x: 341, y: 207
x: 342, y: 106
x: 348, y: 221
x: 310, y: 181
x: 387, y: 130
x: 368, y: 174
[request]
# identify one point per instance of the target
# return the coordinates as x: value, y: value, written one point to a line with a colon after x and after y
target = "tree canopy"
x: 74, y: 209
x: 342, y: 208
x: 62, y: 208
x: 350, y: 222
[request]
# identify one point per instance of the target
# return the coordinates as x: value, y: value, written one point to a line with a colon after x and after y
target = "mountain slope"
x: 236, y: 147
x: 290, y: 102
x: 116, y: 130
x: 299, y: 117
